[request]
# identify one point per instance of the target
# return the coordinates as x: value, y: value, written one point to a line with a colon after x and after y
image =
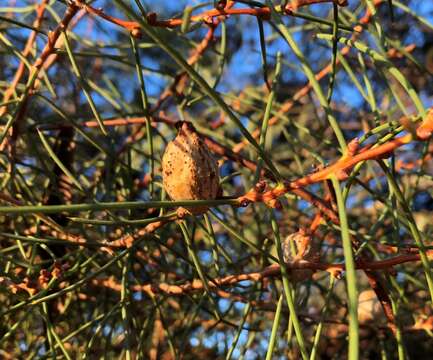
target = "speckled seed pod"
x: 301, y: 244
x: 189, y: 170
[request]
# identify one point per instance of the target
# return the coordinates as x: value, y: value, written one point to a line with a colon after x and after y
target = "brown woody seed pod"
x: 189, y: 170
x: 302, y: 245
x: 369, y: 308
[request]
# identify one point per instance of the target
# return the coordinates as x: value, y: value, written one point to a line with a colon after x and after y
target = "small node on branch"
x: 52, y: 36
x: 58, y: 269
x: 44, y: 278
x: 181, y: 213
x: 220, y: 5
x: 288, y: 10
x: 289, y: 6
x: 151, y: 18
x: 208, y: 20
x: 337, y: 273
x: 244, y: 202
x: 352, y: 147
x: 425, y: 130
x: 289, y: 186
x: 260, y: 187
x: 75, y: 3
x: 274, y: 204
x: 342, y: 2
x: 137, y: 33
x: 409, y: 125
x: 342, y: 175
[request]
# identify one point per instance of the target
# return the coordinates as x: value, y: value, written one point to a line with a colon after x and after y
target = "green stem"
x: 350, y: 274
x: 51, y: 209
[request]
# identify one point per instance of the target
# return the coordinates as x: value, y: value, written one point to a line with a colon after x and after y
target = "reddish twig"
x: 341, y: 167
x: 271, y: 271
x: 35, y: 70
x: 40, y: 10
x: 180, y: 81
x: 128, y: 240
x: 206, y: 16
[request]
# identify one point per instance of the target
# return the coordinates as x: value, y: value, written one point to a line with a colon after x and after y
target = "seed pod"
x: 189, y: 170
x: 369, y: 308
x: 301, y: 243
